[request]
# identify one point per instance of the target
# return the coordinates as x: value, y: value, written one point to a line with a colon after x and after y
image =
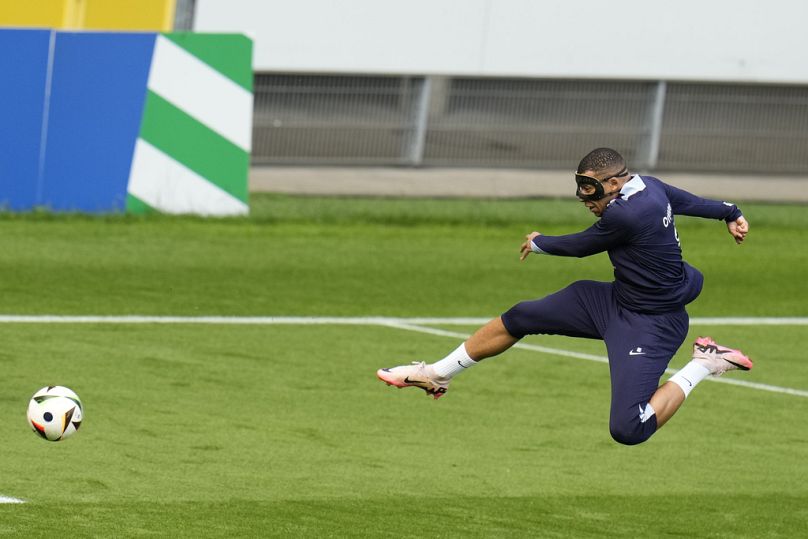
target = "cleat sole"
x: 380, y: 374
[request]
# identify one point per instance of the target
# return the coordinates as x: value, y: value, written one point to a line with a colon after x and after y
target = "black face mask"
x: 582, y: 179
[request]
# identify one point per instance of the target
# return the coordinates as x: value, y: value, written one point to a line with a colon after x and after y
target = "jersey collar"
x: 631, y: 187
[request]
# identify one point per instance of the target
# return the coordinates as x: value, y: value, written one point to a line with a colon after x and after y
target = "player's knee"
x: 628, y: 432
x: 518, y: 319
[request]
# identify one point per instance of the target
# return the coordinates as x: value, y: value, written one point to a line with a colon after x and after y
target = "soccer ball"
x: 55, y: 412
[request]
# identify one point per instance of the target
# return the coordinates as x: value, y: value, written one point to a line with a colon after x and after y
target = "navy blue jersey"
x: 637, y: 230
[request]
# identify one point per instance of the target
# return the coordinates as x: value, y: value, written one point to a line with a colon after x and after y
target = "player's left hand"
x: 738, y: 229
x: 527, y: 247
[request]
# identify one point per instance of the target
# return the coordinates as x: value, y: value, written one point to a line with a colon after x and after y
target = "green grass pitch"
x: 283, y: 430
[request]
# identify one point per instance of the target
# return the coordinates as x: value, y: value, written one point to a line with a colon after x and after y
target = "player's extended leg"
x: 567, y: 312
x: 490, y: 340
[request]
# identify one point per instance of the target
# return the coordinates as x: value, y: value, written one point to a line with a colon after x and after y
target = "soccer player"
x: 640, y: 315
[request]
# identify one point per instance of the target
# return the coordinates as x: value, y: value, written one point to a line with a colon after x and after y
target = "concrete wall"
x: 742, y: 41
x: 501, y: 183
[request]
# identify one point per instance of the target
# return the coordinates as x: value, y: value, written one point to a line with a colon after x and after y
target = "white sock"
x: 690, y: 375
x: 456, y: 362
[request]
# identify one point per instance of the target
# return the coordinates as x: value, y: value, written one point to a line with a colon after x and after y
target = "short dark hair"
x: 600, y: 160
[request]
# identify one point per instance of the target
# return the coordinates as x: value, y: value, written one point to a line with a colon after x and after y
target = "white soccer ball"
x: 55, y: 412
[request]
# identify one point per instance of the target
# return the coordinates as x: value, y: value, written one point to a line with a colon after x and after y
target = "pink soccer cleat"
x: 719, y: 359
x: 416, y: 375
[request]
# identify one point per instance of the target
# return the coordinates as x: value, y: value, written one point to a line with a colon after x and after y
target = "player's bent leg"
x: 640, y: 347
x: 632, y: 425
x: 666, y: 401
x: 709, y: 359
x: 632, y: 417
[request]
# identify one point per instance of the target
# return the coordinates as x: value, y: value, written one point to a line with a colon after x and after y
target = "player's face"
x: 595, y: 206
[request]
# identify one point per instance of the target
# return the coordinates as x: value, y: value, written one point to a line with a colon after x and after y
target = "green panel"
x: 196, y: 146
x: 135, y: 205
x: 229, y: 54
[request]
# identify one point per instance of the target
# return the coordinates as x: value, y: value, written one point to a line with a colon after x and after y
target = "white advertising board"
x: 702, y: 40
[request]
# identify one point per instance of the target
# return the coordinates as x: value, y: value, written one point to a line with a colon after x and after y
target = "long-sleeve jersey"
x: 638, y: 232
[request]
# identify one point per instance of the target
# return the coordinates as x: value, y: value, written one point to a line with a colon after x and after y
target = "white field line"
x: 411, y: 324
x: 337, y: 320
x: 6, y: 499
x: 601, y: 359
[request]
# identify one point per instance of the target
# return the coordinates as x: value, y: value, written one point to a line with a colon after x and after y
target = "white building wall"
x: 704, y: 40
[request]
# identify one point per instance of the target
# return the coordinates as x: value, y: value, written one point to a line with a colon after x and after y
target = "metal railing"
x: 527, y: 123
x: 184, y: 15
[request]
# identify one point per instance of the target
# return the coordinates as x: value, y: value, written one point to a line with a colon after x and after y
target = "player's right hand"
x: 527, y: 247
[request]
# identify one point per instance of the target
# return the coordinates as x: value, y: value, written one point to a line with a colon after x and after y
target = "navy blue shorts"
x: 639, y: 345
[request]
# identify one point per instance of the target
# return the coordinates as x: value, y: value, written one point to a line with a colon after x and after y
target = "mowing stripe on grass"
x: 6, y: 499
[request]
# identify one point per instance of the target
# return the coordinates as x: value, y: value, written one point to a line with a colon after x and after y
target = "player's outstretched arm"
x: 738, y: 228
x: 684, y: 203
